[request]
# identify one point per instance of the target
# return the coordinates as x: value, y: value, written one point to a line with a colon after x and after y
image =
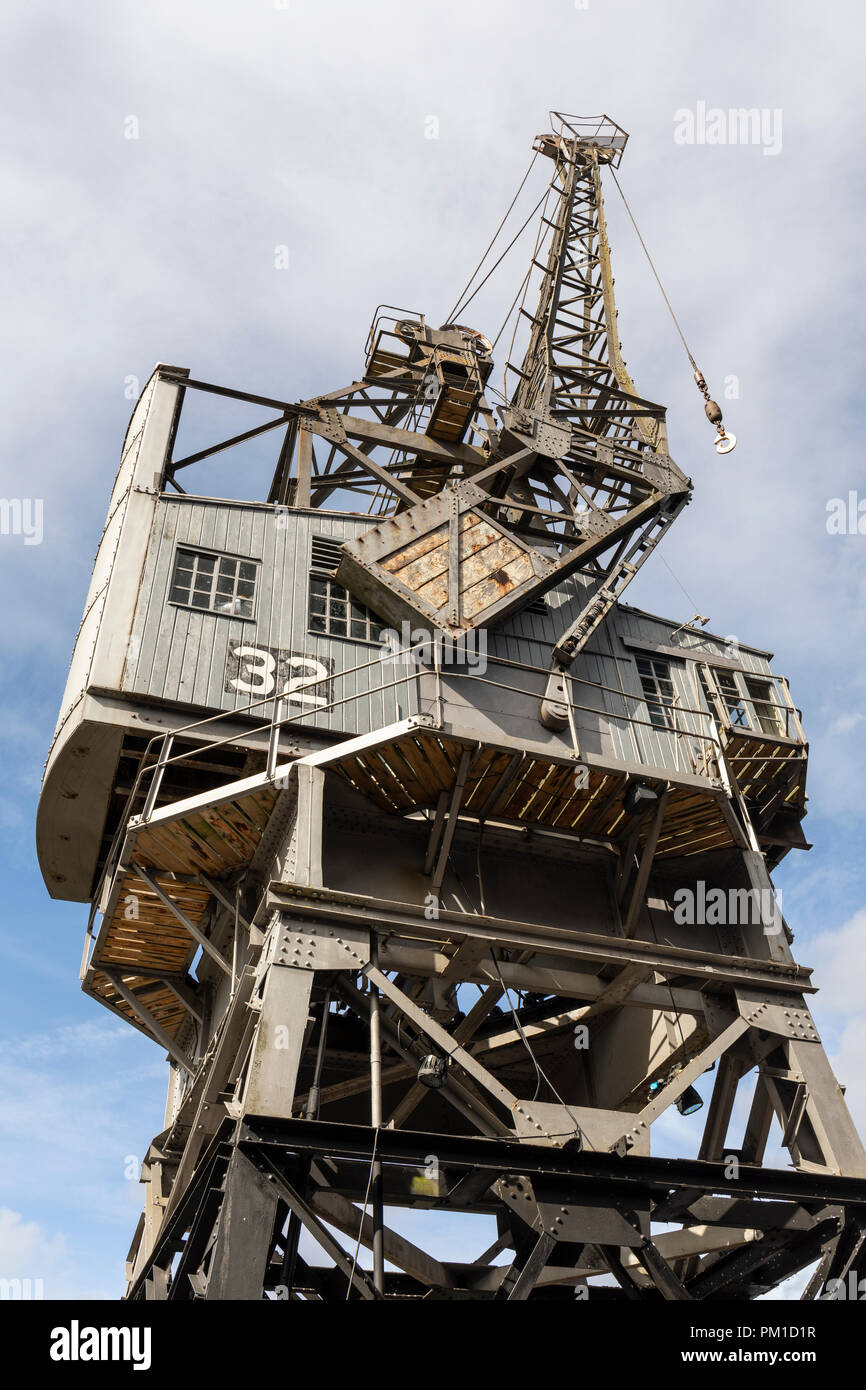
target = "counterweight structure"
x: 441, y: 875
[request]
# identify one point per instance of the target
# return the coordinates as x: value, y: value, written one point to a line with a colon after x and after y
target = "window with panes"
x: 658, y: 689
x: 332, y: 609
x: 215, y: 583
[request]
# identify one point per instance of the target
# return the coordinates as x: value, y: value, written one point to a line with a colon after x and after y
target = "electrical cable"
x: 363, y: 1212
x: 455, y: 310
x: 521, y: 289
x: 677, y: 579
x: 724, y: 442
x: 541, y: 237
x: 676, y: 1011
x: 497, y: 263
x: 654, y: 271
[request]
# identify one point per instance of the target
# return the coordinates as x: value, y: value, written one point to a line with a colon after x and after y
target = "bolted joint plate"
x: 598, y: 523
x: 590, y: 1222
x: 315, y: 946
x: 330, y: 426
x: 540, y: 1122
x: 661, y: 471
x: 548, y: 437
x: 785, y: 1015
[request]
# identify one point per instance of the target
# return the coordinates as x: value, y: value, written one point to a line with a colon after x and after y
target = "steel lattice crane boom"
x: 573, y: 476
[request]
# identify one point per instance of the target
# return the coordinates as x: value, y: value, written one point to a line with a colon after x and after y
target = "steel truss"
x: 253, y: 1158
x: 573, y: 467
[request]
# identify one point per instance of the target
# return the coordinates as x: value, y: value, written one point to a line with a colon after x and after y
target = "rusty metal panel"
x: 443, y: 563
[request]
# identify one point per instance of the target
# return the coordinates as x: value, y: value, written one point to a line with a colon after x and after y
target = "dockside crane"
x: 404, y: 914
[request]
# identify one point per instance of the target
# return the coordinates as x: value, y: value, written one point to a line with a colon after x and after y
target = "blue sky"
x: 306, y: 126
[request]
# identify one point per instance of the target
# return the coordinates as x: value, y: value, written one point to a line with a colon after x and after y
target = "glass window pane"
x: 210, y: 582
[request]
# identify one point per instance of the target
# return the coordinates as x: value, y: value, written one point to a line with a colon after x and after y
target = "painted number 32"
x: 263, y: 671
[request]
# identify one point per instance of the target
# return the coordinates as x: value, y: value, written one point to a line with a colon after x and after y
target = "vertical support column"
x: 154, y: 1203
x: 771, y: 930
x: 246, y: 1223
x: 279, y: 1041
x: 826, y: 1110
x: 274, y: 735
x: 305, y: 467
x: 721, y: 1108
x: 376, y: 1121
x: 303, y: 861
x: 454, y: 560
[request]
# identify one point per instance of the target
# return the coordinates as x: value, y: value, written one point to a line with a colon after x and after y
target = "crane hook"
x: 724, y: 442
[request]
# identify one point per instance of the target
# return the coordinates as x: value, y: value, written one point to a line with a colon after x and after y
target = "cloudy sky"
x: 157, y: 157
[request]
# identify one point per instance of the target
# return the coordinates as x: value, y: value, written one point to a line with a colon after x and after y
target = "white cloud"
x: 78, y: 1101
x: 839, y: 958
x: 43, y: 1262
x: 847, y: 1062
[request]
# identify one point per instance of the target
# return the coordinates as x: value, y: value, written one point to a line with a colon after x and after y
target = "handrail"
x: 274, y: 726
x: 168, y: 738
x: 379, y: 317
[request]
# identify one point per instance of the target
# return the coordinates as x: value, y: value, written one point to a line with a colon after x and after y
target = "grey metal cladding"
x: 181, y: 655
x: 190, y: 657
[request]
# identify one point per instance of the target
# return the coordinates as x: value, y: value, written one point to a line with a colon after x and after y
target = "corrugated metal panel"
x: 81, y: 668
x: 184, y: 655
x: 188, y: 656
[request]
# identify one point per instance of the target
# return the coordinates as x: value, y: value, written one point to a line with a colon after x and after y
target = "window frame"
x: 218, y: 556
x: 721, y: 673
x: 318, y: 575
x: 655, y: 701
x: 759, y: 702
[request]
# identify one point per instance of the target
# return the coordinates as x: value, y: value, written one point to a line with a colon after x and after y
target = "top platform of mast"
x: 600, y: 132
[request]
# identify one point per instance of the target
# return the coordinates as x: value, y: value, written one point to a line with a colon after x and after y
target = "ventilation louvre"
x: 325, y: 554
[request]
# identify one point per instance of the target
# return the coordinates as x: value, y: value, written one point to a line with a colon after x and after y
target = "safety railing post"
x: 274, y: 736
x: 158, y: 774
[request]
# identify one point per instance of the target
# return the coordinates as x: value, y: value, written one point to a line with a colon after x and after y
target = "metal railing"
x: 759, y: 715
x: 378, y: 330
x: 691, y: 741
